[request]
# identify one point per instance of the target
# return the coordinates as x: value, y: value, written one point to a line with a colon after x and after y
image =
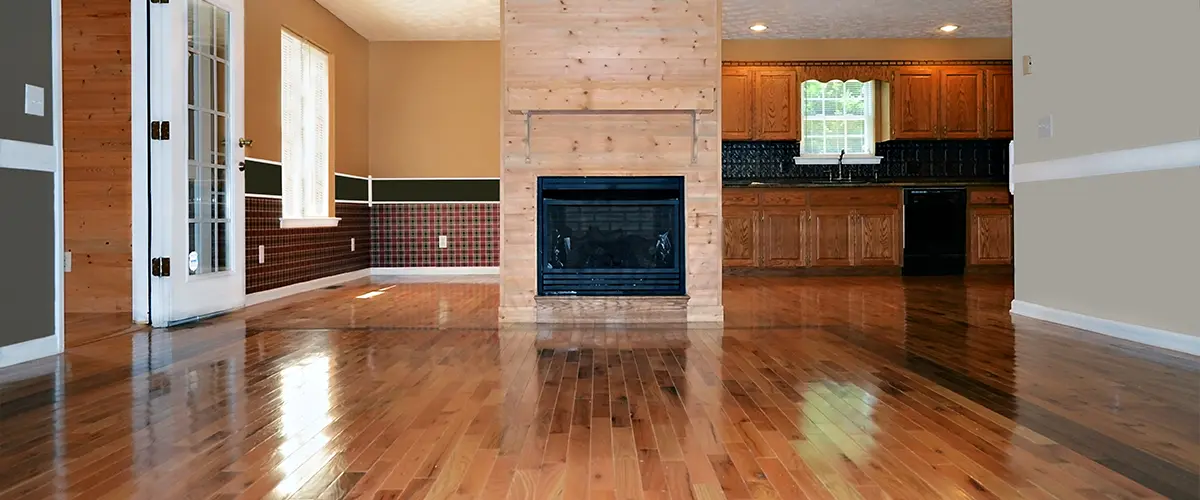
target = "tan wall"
x: 866, y: 49
x: 1116, y: 82
x: 348, y: 56
x: 435, y: 109
x: 1119, y: 247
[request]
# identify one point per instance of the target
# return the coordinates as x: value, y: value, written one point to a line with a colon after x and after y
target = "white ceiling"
x: 480, y: 19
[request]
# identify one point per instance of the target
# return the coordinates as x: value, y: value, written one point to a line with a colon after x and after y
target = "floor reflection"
x: 827, y: 388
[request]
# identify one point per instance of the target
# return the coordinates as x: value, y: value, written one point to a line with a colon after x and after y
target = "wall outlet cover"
x: 262, y: 254
x: 351, y: 244
x: 66, y: 262
x: 1046, y: 127
x: 35, y: 100
x: 443, y: 242
x: 1027, y: 65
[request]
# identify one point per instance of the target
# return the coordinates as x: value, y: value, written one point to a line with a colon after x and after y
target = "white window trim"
x: 294, y: 223
x: 851, y: 158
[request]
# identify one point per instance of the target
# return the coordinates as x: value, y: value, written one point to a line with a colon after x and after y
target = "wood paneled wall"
x: 597, y: 87
x: 97, y: 152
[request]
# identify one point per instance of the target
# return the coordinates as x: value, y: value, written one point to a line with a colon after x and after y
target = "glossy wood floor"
x: 816, y: 388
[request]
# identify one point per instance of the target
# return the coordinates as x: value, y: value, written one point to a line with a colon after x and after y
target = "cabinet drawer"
x: 854, y: 197
x: 785, y: 198
x: 989, y: 197
x: 741, y: 197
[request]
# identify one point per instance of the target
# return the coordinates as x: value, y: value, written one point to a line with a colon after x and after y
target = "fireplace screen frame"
x: 661, y: 282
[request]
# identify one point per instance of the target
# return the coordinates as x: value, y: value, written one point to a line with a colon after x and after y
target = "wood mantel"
x: 594, y: 87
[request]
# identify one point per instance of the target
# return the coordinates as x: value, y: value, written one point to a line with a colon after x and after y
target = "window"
x: 305, y: 133
x: 838, y: 115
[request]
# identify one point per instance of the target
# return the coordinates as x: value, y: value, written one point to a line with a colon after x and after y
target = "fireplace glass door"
x: 610, y: 236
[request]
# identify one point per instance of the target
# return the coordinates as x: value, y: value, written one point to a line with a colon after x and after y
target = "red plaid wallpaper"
x: 406, y: 235
x: 299, y: 255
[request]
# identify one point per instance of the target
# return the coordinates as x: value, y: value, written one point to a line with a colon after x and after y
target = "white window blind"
x: 305, y: 129
x: 837, y: 115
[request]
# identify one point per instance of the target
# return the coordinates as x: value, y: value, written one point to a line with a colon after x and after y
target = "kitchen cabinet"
x: 990, y: 228
x: 961, y: 98
x: 741, y: 247
x: 737, y: 96
x: 824, y: 228
x: 1000, y: 103
x: 951, y: 102
x: 759, y: 104
x: 915, y: 103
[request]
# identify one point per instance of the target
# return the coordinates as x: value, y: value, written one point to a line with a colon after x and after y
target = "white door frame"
x: 142, y: 225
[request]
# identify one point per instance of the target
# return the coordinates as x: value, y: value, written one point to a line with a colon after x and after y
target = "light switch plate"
x: 1046, y: 127
x: 66, y: 262
x: 262, y: 254
x: 351, y: 244
x: 443, y: 242
x: 35, y: 100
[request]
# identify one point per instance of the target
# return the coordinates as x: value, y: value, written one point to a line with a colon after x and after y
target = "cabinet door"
x: 878, y: 237
x: 831, y: 233
x: 741, y: 237
x: 736, y: 97
x: 1000, y: 103
x: 962, y: 103
x: 783, y: 236
x: 776, y: 115
x: 991, y: 236
x: 915, y: 104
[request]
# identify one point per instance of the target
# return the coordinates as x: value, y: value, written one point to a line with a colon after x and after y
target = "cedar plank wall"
x: 630, y: 55
x: 97, y: 156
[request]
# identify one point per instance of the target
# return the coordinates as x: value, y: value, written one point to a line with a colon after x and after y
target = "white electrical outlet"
x: 443, y: 242
x: 351, y: 244
x: 35, y: 100
x: 262, y: 254
x: 1046, y: 127
x: 67, y: 262
x: 1027, y: 65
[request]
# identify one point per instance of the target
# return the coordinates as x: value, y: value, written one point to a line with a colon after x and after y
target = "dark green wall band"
x: 264, y: 178
x: 434, y: 190
x: 349, y: 188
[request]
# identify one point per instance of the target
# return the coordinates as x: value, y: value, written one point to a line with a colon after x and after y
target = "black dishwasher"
x: 935, y: 231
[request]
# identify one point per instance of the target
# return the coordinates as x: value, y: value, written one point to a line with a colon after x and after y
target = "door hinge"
x: 160, y: 267
x: 160, y: 131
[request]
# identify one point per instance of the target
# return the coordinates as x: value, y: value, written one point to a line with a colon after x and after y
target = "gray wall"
x: 25, y: 58
x: 26, y: 255
x: 1115, y: 75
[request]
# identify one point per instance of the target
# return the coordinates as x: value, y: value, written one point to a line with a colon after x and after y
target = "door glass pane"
x: 209, y: 138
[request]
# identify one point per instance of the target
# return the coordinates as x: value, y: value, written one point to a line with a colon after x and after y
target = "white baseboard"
x: 28, y: 351
x: 307, y: 286
x: 1162, y: 157
x: 434, y: 271
x: 1150, y: 336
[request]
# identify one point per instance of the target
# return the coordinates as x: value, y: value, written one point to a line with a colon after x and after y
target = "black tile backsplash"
x: 902, y: 161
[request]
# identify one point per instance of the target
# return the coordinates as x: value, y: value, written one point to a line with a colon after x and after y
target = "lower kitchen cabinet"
x: 990, y: 234
x: 776, y: 229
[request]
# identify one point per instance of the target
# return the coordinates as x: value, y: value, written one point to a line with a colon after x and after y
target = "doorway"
x: 193, y: 218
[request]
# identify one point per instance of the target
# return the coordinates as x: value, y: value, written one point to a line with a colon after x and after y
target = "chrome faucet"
x: 840, y: 156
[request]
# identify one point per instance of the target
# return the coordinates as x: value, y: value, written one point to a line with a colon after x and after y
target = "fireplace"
x: 610, y: 236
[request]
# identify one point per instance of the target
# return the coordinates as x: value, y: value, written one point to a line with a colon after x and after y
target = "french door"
x: 197, y: 220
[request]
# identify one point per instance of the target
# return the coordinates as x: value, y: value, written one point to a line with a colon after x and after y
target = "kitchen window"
x: 305, y: 133
x: 837, y: 115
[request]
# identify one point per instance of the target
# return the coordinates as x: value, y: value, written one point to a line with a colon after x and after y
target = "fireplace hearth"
x: 610, y: 236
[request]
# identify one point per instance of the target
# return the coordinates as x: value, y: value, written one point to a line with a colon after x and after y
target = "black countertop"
x: 805, y: 183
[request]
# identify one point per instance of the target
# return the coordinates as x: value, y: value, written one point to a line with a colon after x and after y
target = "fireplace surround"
x: 610, y: 236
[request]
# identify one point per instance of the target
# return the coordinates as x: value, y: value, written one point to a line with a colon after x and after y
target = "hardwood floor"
x: 872, y: 387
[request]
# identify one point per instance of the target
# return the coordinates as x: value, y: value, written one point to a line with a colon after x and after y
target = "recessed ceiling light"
x: 949, y: 28
x: 759, y: 27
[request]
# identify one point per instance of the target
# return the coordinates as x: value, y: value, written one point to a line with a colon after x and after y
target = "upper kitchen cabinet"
x: 962, y: 103
x: 915, y: 103
x: 737, y: 96
x: 1000, y: 103
x: 759, y: 104
x: 952, y: 102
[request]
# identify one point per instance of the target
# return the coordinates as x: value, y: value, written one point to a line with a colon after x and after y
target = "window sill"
x: 833, y: 160
x: 308, y: 222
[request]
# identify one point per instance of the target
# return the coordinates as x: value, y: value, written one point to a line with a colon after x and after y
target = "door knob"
x: 245, y: 143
